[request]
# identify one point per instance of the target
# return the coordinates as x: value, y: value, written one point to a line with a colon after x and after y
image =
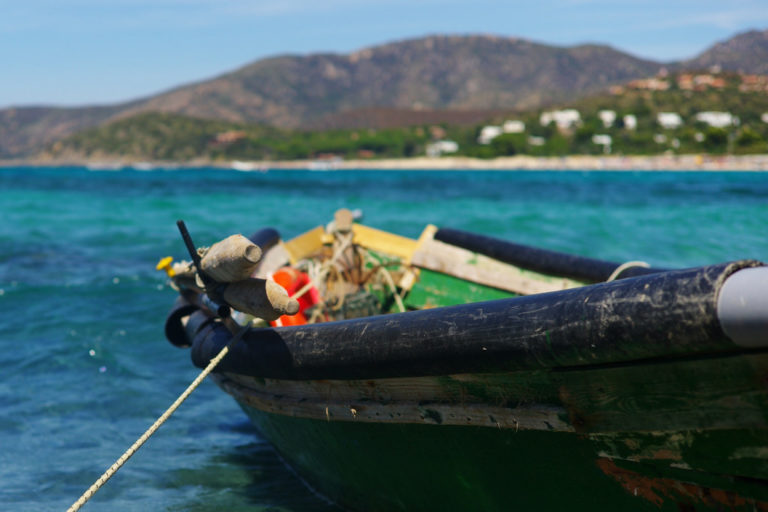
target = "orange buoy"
x: 293, y: 280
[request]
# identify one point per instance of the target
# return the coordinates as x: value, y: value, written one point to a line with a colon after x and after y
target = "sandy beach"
x: 520, y: 162
x: 575, y: 162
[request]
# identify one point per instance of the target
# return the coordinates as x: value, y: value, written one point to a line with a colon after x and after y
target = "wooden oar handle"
x: 260, y: 298
x: 230, y: 260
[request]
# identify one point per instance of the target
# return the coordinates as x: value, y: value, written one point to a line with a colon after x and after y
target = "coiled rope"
x: 624, y: 266
x: 151, y: 430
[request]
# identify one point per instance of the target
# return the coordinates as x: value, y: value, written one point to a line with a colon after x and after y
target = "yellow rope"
x: 151, y: 430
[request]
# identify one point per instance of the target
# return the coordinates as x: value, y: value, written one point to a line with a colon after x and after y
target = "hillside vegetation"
x: 157, y: 136
x: 748, y: 133
x: 172, y: 137
x: 448, y: 77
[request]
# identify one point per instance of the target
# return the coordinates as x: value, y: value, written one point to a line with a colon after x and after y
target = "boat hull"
x: 645, y: 393
x: 687, y: 434
x: 384, y: 467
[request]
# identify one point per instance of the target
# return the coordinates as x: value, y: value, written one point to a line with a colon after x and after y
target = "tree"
x: 715, y: 140
x: 508, y: 144
x: 749, y: 141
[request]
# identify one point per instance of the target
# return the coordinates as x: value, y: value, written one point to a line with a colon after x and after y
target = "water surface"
x: 86, y: 368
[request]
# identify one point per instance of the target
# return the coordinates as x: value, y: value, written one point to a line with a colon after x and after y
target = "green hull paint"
x: 437, y: 290
x: 674, y: 435
x: 377, y: 467
x: 653, y: 422
x: 380, y: 467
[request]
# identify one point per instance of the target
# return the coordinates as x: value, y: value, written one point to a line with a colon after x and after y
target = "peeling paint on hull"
x: 622, y: 395
x: 384, y: 467
x: 672, y: 435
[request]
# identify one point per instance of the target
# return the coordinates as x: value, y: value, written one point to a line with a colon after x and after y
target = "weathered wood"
x: 651, y: 398
x: 470, y: 266
x: 427, y: 235
x: 261, y: 298
x: 343, y: 220
x: 184, y: 276
x: 232, y: 259
x: 329, y: 401
x: 681, y: 419
x: 629, y: 392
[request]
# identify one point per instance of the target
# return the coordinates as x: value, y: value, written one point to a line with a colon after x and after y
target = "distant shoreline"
x: 513, y: 163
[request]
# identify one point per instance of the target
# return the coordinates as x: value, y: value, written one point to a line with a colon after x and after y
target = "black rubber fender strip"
x: 174, y: 329
x: 265, y: 238
x: 667, y: 314
x: 539, y: 260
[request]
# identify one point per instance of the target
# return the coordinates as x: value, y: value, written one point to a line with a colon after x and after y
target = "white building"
x: 564, y: 119
x: 716, y: 119
x: 608, y: 117
x: 603, y: 140
x: 630, y: 122
x: 764, y: 117
x: 669, y: 120
x: 513, y: 126
x: 442, y: 146
x: 536, y: 141
x: 488, y: 133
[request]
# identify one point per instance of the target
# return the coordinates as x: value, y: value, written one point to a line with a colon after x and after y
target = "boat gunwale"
x: 670, y: 314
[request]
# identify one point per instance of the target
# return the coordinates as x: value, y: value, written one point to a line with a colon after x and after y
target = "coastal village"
x: 693, y: 117
x: 462, y: 270
x: 719, y: 128
x: 512, y: 99
x: 670, y: 114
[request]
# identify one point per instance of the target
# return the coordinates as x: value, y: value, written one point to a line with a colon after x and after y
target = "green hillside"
x: 155, y: 136
x: 452, y: 78
x: 172, y: 137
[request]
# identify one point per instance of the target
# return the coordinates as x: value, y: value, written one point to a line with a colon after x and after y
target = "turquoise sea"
x: 85, y: 366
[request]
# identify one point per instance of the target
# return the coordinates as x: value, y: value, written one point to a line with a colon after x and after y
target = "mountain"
x: 25, y: 129
x: 436, y: 77
x: 153, y: 136
x: 747, y: 53
x: 433, y: 73
x: 438, y: 72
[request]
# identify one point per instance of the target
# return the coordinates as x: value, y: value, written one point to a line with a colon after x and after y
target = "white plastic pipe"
x: 742, y: 307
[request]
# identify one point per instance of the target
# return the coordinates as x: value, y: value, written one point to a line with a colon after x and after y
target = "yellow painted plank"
x: 304, y: 244
x: 381, y: 241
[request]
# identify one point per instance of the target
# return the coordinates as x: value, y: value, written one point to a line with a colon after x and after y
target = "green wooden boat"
x: 461, y: 372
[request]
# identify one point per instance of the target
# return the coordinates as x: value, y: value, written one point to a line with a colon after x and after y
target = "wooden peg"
x: 260, y: 298
x: 232, y: 259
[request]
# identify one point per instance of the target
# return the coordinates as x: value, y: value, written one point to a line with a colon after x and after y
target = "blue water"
x: 85, y: 367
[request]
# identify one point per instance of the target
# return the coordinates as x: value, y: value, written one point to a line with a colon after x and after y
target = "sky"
x: 84, y: 52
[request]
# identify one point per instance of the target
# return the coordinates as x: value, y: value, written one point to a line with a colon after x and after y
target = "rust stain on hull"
x: 658, y: 490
